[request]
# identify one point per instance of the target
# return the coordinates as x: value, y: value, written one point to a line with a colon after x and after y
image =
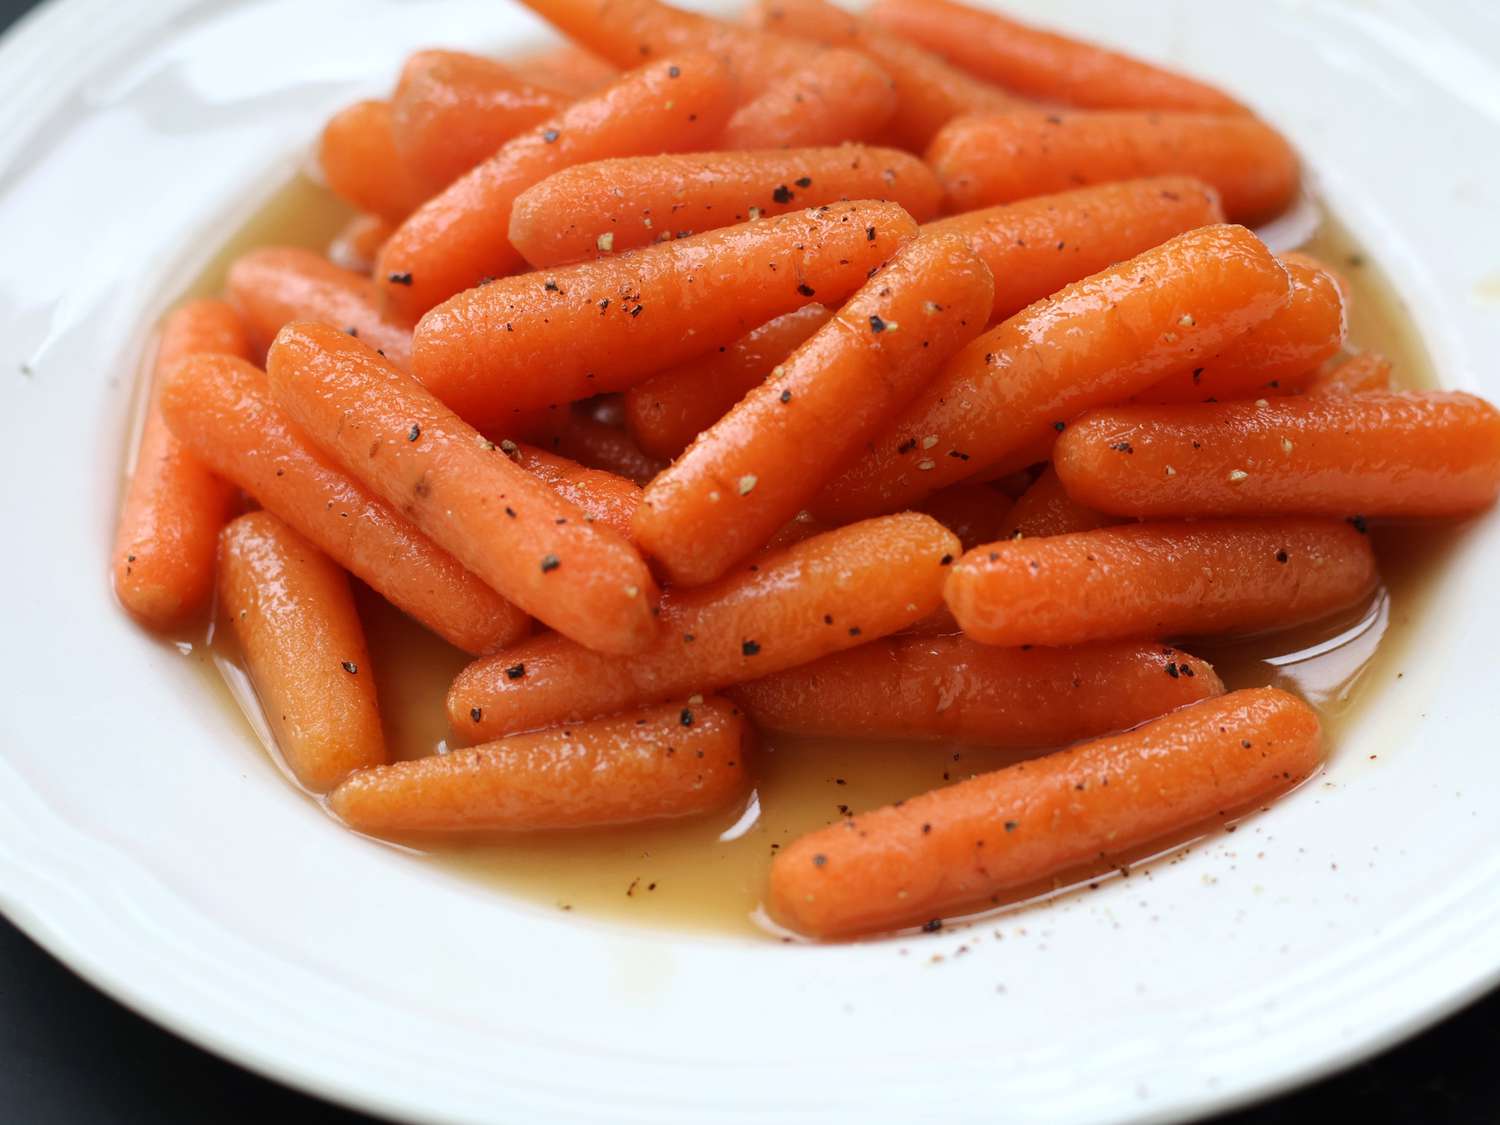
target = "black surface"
x: 68, y: 1054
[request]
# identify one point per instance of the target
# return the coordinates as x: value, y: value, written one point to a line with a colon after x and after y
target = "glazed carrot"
x: 1432, y: 453
x: 1367, y: 371
x: 610, y: 206
x: 460, y: 236
x: 1042, y: 64
x: 1046, y: 509
x: 954, y: 848
x: 500, y: 521
x: 841, y: 96
x: 358, y: 244
x: 1004, y: 157
x: 163, y: 562
x: 954, y: 689
x: 602, y: 446
x: 666, y: 412
x: 822, y: 595
x: 760, y: 464
x: 361, y: 165
x: 1274, y: 356
x: 643, y: 765
x: 1037, y: 246
x: 997, y: 404
x: 221, y: 410
x: 290, y: 608
x: 566, y: 334
x: 976, y: 513
x: 1160, y: 580
x: 567, y: 69
x: 275, y: 285
x: 601, y: 496
x: 453, y: 110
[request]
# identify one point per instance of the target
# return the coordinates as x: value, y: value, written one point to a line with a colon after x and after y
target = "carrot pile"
x: 903, y: 375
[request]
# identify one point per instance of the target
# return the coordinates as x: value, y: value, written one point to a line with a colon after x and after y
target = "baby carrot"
x: 601, y: 496
x: 501, y: 522
x: 275, y: 285
x: 460, y: 236
x: 666, y: 412
x: 293, y: 615
x: 1431, y: 453
x: 566, y: 69
x: 567, y: 334
x: 1037, y: 246
x: 358, y: 244
x: 173, y: 508
x: 1004, y: 157
x: 643, y: 765
x: 954, y: 689
x: 1367, y: 371
x: 1160, y: 580
x: 999, y: 401
x: 1043, y: 64
x: 976, y: 513
x: 361, y: 165
x: 610, y: 206
x: 453, y: 110
x: 953, y: 848
x: 1046, y: 509
x: 841, y: 96
x: 221, y: 410
x: 600, y: 445
x: 822, y: 595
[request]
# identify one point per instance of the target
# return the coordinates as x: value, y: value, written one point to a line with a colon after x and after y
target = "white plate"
x: 145, y: 841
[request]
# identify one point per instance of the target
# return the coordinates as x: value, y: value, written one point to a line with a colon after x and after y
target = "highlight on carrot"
x: 841, y: 96
x: 610, y: 206
x: 658, y: 762
x: 1356, y: 374
x: 1160, y: 580
x: 760, y: 464
x: 1395, y: 454
x: 358, y: 156
x: 358, y: 244
x: 566, y: 69
x: 566, y: 334
x: 601, y: 496
x: 825, y: 594
x: 292, y: 613
x: 173, y: 507
x: 954, y: 848
x: 976, y: 513
x: 1046, y: 509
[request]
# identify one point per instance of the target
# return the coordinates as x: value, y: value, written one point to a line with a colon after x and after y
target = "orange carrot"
x: 600, y: 445
x: 1160, y: 580
x: 644, y: 765
x: 610, y: 206
x: 1043, y: 64
x: 976, y: 513
x: 567, y: 69
x: 1046, y: 509
x: 957, y: 847
x: 291, y: 610
x: 1004, y: 157
x: 1000, y: 400
x: 840, y: 96
x: 460, y: 236
x: 221, y: 410
x: 956, y: 690
x: 275, y: 285
x: 567, y: 334
x: 358, y: 244
x: 666, y: 412
x: 1367, y: 371
x: 1434, y: 453
x: 823, y: 595
x: 1037, y: 246
x: 453, y: 110
x: 361, y: 165
x: 500, y: 521
x: 601, y: 496
x: 163, y: 562
x: 760, y: 464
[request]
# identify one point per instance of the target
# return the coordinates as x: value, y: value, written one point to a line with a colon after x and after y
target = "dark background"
x: 70, y: 1055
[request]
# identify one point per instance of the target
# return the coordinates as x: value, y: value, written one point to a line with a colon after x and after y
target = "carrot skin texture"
x: 666, y: 412
x: 634, y: 201
x: 567, y: 69
x: 601, y: 446
x: 461, y: 235
x: 822, y: 595
x: 571, y: 333
x: 843, y: 96
x: 914, y: 862
x: 361, y: 164
x: 291, y: 609
x: 173, y: 507
x: 760, y: 464
x: 1037, y: 246
x: 1367, y: 371
x: 976, y: 513
x: 1001, y: 158
x: 601, y: 496
x: 1393, y: 454
x: 358, y: 244
x: 1042, y: 64
x: 1046, y: 509
x: 954, y: 689
x: 1160, y: 580
x: 998, y: 403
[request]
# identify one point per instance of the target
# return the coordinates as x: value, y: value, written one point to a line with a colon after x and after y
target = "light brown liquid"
x: 708, y: 873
